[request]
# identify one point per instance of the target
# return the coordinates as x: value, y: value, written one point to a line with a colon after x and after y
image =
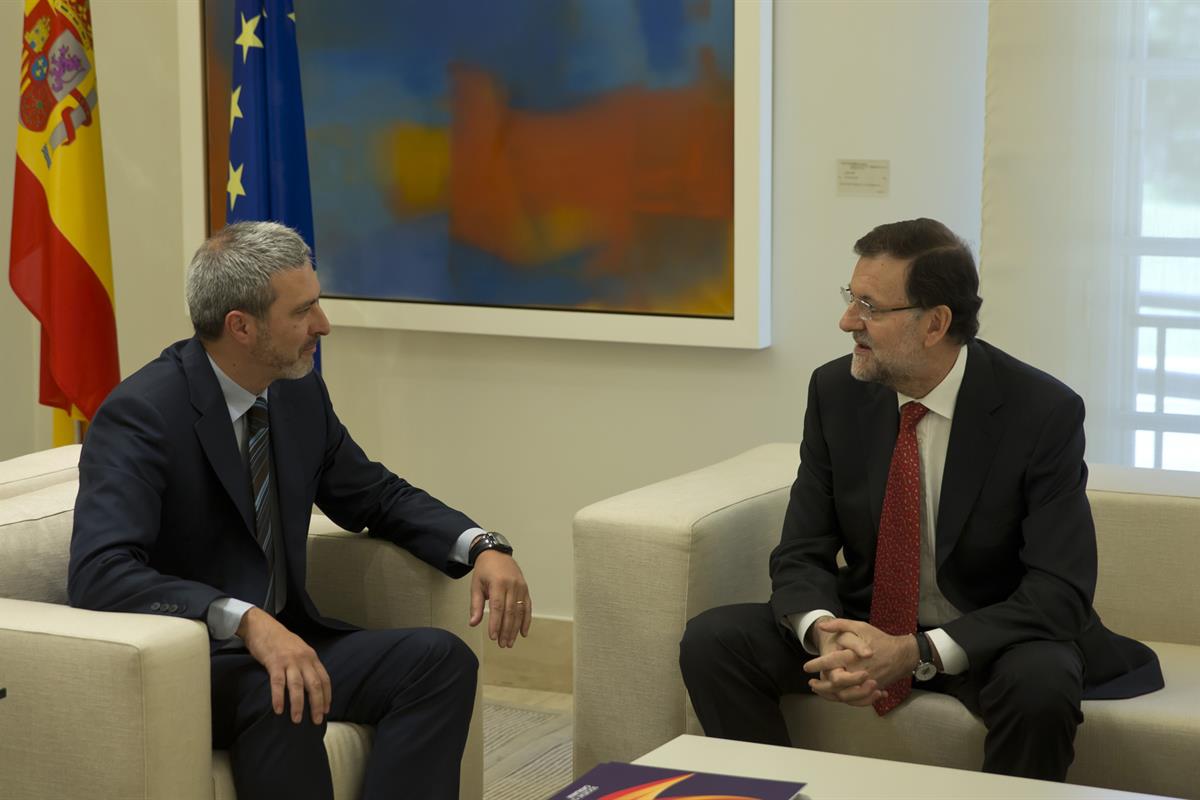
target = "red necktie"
x: 898, y: 550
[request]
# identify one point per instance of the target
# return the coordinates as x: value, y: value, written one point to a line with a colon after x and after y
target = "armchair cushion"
x: 35, y: 534
x: 29, y: 472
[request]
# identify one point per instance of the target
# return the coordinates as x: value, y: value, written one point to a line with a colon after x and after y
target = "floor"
x: 526, y: 743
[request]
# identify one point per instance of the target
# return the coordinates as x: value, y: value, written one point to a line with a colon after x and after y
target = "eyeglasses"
x: 866, y: 311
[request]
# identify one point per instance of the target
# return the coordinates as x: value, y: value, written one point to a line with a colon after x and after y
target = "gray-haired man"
x: 197, y: 482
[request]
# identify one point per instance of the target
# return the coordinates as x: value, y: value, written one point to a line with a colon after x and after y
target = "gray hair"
x: 232, y: 272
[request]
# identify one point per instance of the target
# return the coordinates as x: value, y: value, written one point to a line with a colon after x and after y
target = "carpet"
x: 526, y: 751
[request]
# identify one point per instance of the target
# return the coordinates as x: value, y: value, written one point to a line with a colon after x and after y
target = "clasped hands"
x: 857, y: 660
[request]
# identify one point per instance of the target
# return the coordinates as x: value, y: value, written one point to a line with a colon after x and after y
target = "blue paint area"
x: 393, y: 262
x: 369, y: 65
x: 548, y: 54
x: 485, y: 279
x: 662, y: 26
x: 418, y: 261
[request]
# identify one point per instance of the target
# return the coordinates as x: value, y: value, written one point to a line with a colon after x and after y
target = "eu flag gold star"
x: 247, y: 37
x: 234, y: 186
x: 235, y: 111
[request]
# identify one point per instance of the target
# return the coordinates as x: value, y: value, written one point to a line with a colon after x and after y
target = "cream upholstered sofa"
x: 117, y: 705
x: 649, y: 560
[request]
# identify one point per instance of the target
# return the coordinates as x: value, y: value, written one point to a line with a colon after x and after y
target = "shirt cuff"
x: 224, y: 616
x: 461, y: 552
x: 954, y: 658
x: 800, y: 623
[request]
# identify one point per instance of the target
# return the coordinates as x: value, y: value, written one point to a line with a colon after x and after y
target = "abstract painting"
x: 568, y: 155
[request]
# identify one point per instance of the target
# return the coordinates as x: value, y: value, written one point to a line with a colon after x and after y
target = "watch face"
x: 925, y: 671
x: 488, y: 541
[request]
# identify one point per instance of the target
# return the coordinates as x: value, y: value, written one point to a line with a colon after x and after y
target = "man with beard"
x: 950, y: 477
x: 196, y: 486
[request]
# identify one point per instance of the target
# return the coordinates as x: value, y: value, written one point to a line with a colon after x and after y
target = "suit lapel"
x: 974, y: 435
x: 879, y: 424
x: 214, y: 429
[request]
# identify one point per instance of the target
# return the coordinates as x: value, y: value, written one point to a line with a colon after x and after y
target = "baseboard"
x: 541, y: 661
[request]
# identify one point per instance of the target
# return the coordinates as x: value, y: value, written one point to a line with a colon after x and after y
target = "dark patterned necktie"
x: 898, y: 550
x: 258, y: 446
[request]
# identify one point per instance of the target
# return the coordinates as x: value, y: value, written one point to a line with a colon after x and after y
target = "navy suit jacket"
x: 1016, y: 545
x: 164, y: 521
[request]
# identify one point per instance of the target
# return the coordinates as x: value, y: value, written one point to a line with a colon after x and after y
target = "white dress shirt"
x: 225, y: 614
x: 933, y: 438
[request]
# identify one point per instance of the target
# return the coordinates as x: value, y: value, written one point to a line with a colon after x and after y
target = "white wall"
x: 520, y: 433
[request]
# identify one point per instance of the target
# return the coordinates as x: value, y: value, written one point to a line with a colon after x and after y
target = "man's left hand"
x: 892, y: 657
x: 497, y: 579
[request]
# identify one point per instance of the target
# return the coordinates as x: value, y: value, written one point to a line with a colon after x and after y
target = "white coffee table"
x: 829, y: 776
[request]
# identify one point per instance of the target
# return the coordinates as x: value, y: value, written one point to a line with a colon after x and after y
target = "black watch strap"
x: 926, y: 668
x: 924, y: 651
x: 488, y: 541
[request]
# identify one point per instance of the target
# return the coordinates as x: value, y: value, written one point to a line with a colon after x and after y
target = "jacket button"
x: 155, y: 606
x: 173, y: 608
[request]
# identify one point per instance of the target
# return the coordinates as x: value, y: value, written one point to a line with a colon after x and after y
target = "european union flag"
x: 268, y: 153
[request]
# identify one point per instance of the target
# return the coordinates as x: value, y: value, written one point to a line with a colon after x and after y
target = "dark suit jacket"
x: 164, y: 520
x: 1016, y: 546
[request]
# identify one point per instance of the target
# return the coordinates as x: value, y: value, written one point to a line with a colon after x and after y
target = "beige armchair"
x: 117, y: 705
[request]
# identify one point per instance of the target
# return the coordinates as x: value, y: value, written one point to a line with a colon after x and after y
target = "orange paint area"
x: 639, y: 180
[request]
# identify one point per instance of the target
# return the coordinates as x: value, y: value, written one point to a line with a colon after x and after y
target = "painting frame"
x: 750, y: 325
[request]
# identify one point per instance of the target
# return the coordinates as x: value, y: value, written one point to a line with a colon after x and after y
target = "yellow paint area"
x: 415, y: 161
x: 713, y: 297
x: 560, y: 231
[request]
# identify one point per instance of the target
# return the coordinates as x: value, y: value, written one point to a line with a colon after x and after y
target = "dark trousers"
x: 416, y: 686
x: 737, y: 661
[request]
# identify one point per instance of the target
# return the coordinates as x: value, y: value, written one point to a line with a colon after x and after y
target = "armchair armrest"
x: 646, y: 562
x: 102, y: 704
x: 374, y: 584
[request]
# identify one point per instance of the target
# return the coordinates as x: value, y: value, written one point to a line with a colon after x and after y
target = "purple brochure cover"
x: 614, y: 781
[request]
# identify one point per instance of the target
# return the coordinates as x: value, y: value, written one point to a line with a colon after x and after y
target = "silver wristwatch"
x: 926, y: 669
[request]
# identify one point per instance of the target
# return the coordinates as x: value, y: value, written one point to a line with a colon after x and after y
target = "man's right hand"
x: 292, y: 665
x: 841, y: 679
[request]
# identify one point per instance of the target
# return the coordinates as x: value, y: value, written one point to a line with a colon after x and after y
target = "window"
x: 1159, y: 214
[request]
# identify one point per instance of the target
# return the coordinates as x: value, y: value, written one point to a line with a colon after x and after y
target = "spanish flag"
x: 60, y: 265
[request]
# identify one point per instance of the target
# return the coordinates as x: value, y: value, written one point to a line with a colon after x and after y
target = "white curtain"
x: 1090, y: 253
